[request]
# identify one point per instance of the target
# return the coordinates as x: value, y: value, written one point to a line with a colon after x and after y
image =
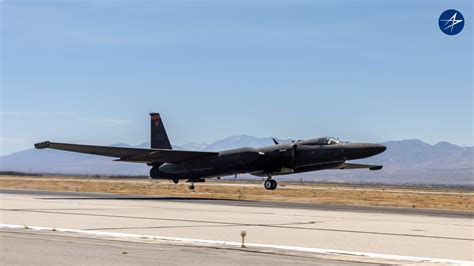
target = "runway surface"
x: 34, y: 248
x: 393, y: 231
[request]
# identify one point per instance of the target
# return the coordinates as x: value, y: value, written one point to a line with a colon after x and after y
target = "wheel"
x: 274, y: 184
x: 269, y: 184
x: 154, y: 172
x: 191, y: 187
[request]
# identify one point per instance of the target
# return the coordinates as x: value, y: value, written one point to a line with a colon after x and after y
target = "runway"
x: 391, y: 231
x: 23, y: 248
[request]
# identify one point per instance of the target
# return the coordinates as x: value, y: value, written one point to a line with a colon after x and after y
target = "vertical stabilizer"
x: 159, y: 138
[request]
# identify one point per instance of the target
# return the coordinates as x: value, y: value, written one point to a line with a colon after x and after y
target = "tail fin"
x: 159, y: 138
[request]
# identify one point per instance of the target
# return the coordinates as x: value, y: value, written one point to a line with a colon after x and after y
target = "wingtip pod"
x: 377, y: 167
x: 42, y: 145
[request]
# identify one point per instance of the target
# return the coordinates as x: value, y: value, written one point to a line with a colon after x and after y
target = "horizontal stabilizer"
x: 129, y: 154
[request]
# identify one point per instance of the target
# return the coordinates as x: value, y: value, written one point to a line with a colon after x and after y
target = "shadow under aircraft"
x: 195, y: 166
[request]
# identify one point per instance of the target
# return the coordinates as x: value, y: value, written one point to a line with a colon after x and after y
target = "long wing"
x: 129, y: 154
x: 360, y: 166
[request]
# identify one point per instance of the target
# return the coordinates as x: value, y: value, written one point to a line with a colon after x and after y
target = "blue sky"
x: 91, y: 71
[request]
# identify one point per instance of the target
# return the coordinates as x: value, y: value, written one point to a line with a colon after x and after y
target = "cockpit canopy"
x: 320, y: 141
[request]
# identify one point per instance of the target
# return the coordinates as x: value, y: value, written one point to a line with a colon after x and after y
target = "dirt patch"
x: 454, y: 199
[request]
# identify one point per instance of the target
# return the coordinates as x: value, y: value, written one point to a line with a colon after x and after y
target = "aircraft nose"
x: 362, y: 150
x: 378, y: 148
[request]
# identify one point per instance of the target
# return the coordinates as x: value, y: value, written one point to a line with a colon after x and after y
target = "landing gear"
x: 193, y: 180
x: 270, y: 184
x: 174, y: 179
x: 154, y: 172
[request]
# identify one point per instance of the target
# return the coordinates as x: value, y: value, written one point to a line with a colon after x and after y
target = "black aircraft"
x: 194, y: 166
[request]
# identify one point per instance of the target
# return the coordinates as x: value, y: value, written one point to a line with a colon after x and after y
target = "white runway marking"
x: 237, y: 244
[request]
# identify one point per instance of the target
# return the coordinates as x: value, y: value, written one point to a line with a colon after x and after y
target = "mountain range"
x: 409, y: 161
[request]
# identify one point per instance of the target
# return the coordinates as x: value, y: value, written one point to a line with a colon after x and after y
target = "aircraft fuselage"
x: 280, y: 159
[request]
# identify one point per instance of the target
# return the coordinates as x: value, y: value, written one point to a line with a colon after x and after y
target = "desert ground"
x: 320, y: 193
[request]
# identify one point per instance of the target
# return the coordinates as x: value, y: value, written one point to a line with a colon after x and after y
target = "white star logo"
x: 453, y: 22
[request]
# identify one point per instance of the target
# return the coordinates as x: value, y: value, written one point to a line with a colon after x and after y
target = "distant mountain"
x: 60, y: 162
x: 193, y: 146
x: 405, y: 161
x: 238, y: 141
x: 415, y: 153
x: 414, y: 161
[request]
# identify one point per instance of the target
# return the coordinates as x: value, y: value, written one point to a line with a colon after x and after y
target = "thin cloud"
x: 11, y: 140
x: 107, y: 37
x: 105, y: 120
x: 20, y: 113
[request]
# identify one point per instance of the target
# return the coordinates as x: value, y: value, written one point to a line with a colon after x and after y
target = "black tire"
x: 268, y: 185
x: 274, y: 184
x: 191, y: 187
x: 153, y: 173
